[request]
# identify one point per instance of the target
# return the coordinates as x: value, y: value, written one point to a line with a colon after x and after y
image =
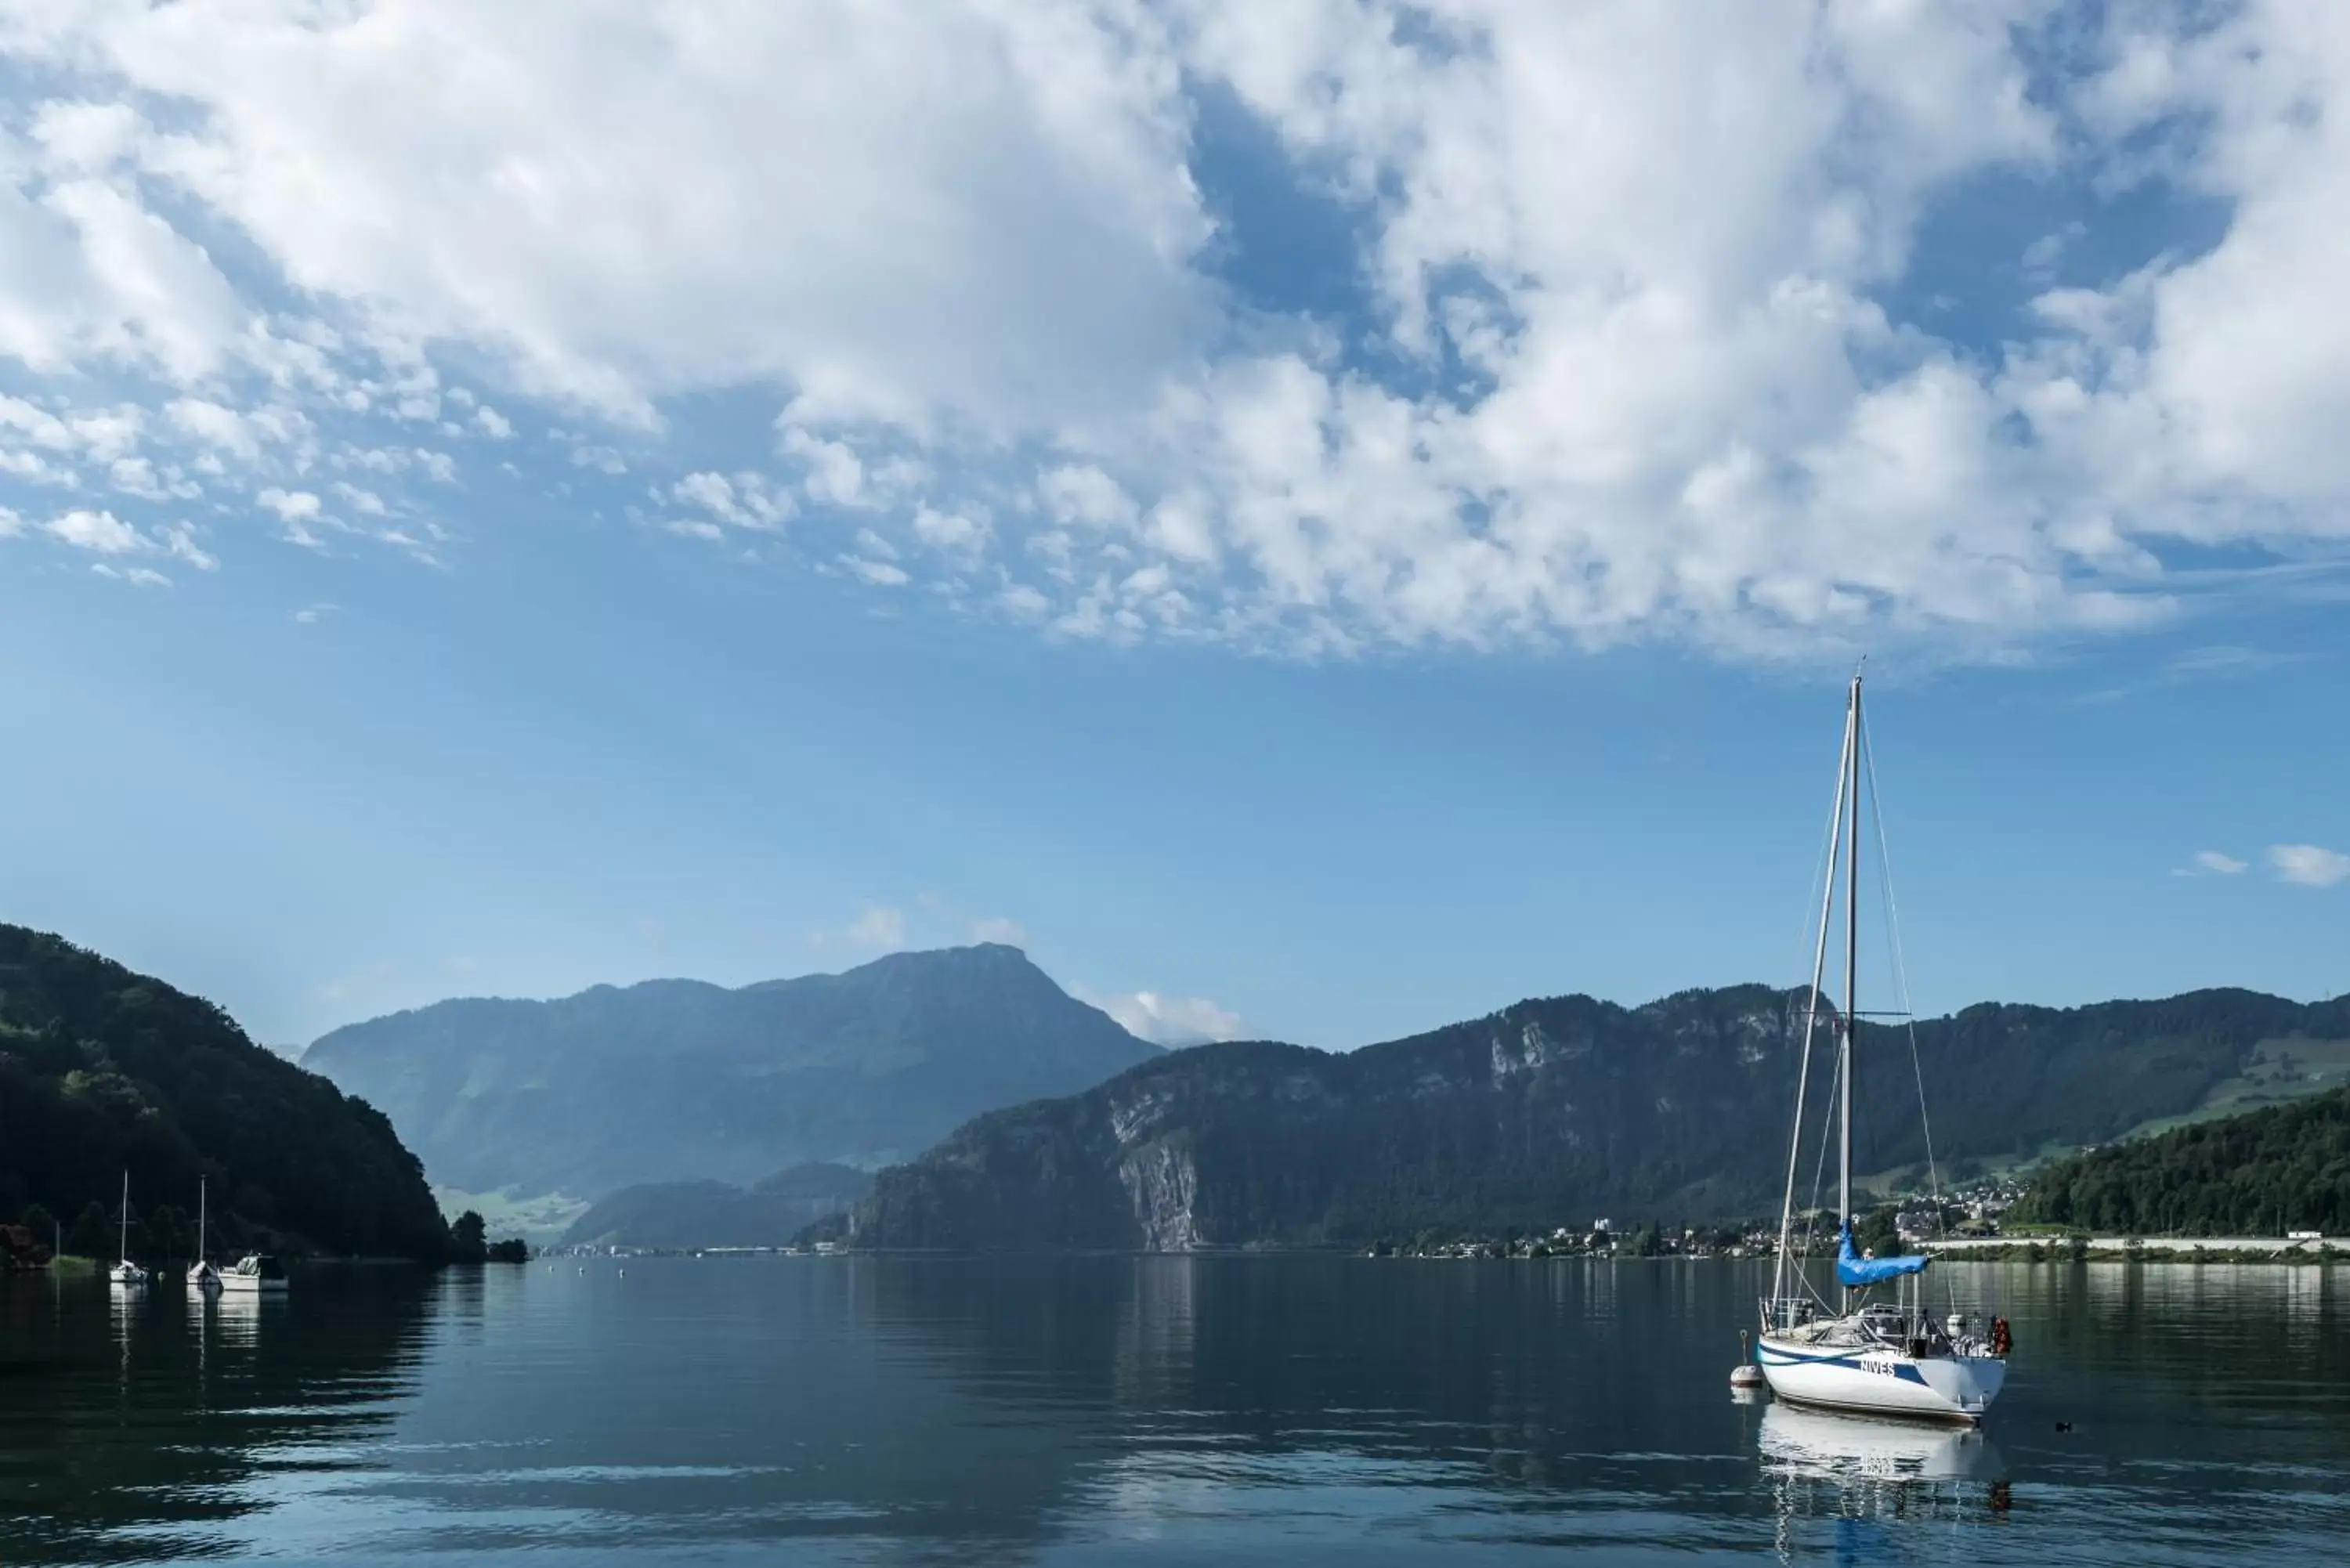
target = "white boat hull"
x: 246, y: 1285
x: 1876, y: 1380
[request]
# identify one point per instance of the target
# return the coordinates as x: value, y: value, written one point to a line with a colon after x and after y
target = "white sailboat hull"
x: 1876, y: 1380
x: 236, y: 1283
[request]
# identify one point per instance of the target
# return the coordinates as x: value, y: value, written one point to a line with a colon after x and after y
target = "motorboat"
x: 255, y: 1274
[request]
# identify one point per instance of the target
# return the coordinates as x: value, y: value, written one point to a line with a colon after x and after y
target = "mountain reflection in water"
x: 1063, y: 1410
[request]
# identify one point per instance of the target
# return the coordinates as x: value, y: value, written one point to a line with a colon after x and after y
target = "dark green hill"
x: 675, y: 1080
x: 101, y: 1069
x: 2283, y: 1168
x: 713, y: 1214
x: 1550, y: 1112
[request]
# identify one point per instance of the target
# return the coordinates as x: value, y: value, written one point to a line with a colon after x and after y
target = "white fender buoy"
x: 1745, y: 1376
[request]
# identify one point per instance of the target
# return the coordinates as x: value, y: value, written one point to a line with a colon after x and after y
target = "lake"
x: 1292, y: 1409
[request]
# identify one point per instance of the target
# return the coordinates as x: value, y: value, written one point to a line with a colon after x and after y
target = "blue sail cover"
x: 1855, y: 1271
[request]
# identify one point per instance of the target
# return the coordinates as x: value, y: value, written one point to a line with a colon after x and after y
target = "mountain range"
x: 676, y: 1080
x: 104, y: 1072
x: 1558, y: 1111
x: 678, y: 1214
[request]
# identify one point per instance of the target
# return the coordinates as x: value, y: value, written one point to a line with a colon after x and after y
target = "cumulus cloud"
x: 881, y: 926
x: 1628, y: 362
x: 2219, y: 864
x: 1172, y: 1021
x: 291, y: 506
x: 101, y: 532
x: 2308, y: 864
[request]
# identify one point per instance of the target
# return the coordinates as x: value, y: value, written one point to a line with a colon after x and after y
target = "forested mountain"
x: 103, y: 1070
x: 2283, y: 1168
x: 1550, y: 1112
x: 714, y: 1214
x: 676, y: 1080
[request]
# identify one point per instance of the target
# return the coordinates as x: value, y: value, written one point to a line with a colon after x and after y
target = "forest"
x: 104, y: 1072
x: 2285, y: 1168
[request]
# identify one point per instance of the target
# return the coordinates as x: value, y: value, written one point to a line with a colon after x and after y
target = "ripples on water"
x: 1275, y: 1409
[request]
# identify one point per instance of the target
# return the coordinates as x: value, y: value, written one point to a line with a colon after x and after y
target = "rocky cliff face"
x: 1549, y: 1113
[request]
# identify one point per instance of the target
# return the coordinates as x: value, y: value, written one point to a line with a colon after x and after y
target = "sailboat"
x: 202, y: 1275
x: 125, y: 1272
x: 1862, y: 1354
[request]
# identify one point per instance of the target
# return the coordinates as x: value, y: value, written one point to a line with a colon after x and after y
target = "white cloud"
x: 1629, y: 371
x: 1172, y: 1021
x: 997, y: 929
x: 2308, y: 864
x: 366, y: 502
x: 136, y: 476
x: 180, y: 543
x: 746, y: 500
x: 137, y: 576
x: 2221, y: 865
x: 879, y: 926
x: 880, y: 574
x: 101, y: 532
x: 291, y: 506
x: 1084, y: 493
x: 834, y: 473
x: 607, y: 214
x: 950, y: 531
x: 311, y: 615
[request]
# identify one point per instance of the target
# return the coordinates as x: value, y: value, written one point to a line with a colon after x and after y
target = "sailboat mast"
x: 122, y: 1247
x: 1810, y: 1022
x: 1851, y: 957
x: 203, y: 1192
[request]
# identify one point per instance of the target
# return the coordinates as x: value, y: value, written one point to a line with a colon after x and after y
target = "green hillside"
x: 102, y: 1070
x: 2286, y: 1167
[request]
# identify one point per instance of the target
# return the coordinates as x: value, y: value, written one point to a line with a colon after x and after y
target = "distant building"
x: 2305, y: 1236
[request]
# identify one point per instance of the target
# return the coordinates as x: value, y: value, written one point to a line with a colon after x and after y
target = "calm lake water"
x: 1275, y: 1409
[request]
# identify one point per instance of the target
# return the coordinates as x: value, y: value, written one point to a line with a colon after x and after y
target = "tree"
x: 1877, y: 1233
x: 41, y: 1223
x: 92, y: 1235
x: 171, y: 1234
x: 466, y: 1238
x: 513, y: 1250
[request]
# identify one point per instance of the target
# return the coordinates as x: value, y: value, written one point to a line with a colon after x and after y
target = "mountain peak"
x: 674, y: 1080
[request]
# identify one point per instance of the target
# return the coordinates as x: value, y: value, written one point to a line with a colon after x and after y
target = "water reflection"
x: 132, y: 1424
x: 1235, y: 1409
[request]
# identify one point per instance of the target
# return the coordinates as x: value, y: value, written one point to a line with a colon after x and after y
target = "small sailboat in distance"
x: 202, y: 1276
x: 125, y: 1273
x: 1862, y: 1354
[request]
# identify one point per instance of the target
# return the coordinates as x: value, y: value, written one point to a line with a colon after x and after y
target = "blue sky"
x: 1316, y: 521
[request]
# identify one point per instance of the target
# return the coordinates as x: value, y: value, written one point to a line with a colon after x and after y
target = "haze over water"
x: 1270, y: 1409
